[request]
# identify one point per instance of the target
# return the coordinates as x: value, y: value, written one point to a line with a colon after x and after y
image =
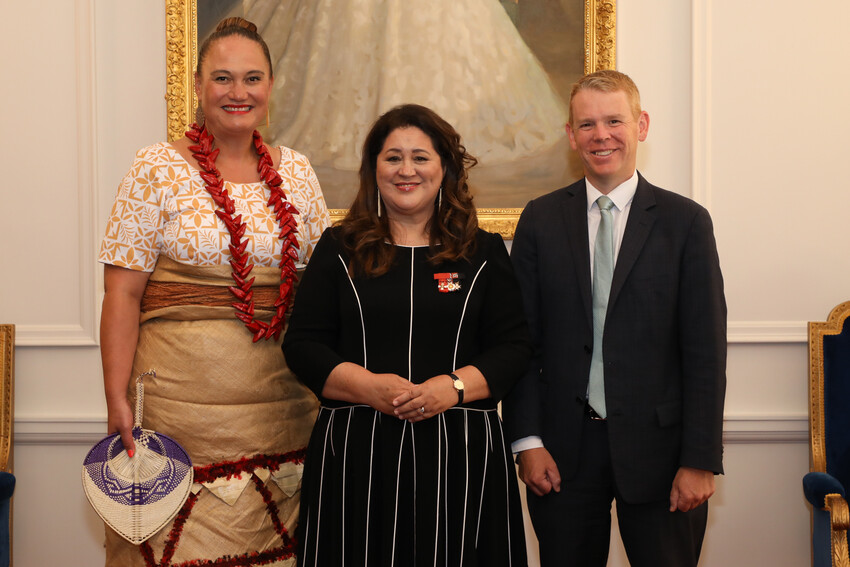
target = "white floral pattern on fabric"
x: 163, y: 207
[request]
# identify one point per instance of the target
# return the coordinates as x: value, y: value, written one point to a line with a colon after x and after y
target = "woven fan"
x: 137, y: 496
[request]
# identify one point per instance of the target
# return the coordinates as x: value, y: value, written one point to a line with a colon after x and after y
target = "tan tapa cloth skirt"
x: 232, y: 404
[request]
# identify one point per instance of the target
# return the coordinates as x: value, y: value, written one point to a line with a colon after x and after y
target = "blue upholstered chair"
x: 7, y: 411
x: 829, y: 425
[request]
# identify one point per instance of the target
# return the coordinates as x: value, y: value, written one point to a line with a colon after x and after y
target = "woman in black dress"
x: 408, y: 325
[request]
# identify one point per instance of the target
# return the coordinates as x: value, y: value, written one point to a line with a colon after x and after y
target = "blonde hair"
x: 608, y: 81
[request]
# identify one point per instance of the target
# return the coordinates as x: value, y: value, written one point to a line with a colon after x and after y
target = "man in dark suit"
x: 636, y: 415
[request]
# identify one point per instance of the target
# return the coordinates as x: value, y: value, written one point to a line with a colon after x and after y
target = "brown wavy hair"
x: 234, y: 26
x: 453, y: 226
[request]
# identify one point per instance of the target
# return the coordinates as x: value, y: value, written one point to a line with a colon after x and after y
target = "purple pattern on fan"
x: 160, y: 483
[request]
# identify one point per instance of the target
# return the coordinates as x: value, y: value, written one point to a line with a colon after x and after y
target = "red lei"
x: 283, y: 210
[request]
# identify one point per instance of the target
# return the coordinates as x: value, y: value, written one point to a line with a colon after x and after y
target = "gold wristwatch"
x: 458, y: 384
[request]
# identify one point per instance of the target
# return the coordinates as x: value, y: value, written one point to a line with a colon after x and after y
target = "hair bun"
x: 238, y: 22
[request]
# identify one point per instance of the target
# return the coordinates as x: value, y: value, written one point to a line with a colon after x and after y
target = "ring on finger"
x: 422, y: 409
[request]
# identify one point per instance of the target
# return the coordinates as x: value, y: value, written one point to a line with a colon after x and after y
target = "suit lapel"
x: 638, y: 227
x: 574, y: 209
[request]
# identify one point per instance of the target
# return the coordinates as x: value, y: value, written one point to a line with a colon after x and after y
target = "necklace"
x: 241, y: 269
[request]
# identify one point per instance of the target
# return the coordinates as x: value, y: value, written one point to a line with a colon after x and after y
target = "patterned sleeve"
x: 134, y: 231
x: 308, y: 198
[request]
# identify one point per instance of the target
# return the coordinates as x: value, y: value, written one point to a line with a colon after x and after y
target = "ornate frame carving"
x: 7, y: 398
x: 181, y: 25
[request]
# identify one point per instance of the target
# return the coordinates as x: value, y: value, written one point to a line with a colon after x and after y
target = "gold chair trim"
x: 817, y: 330
x: 839, y: 516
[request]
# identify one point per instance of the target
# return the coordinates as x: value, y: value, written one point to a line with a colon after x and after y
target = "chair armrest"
x: 817, y: 485
x: 839, y: 517
x: 839, y: 512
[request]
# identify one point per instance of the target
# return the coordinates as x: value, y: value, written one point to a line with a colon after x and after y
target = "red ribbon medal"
x: 448, y: 281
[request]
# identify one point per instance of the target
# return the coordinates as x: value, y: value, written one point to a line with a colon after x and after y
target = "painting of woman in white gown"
x: 339, y: 64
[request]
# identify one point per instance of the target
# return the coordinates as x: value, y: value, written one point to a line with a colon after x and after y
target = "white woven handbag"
x: 137, y: 496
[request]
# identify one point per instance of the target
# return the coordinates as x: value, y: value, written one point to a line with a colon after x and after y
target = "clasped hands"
x: 416, y: 402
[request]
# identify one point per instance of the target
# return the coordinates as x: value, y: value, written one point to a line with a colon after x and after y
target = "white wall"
x: 740, y: 122
x: 85, y: 90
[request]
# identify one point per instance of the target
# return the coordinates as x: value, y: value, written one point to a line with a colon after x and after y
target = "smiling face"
x: 409, y: 172
x: 605, y: 132
x: 234, y: 86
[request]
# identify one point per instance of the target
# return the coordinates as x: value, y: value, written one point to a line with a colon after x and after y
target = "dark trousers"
x: 574, y: 525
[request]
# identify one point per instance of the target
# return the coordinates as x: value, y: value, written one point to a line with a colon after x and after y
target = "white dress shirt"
x: 622, y: 196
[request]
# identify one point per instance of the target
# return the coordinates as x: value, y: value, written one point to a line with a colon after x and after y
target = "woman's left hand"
x: 421, y: 401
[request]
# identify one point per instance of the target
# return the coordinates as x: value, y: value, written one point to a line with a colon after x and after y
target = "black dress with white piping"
x: 381, y: 491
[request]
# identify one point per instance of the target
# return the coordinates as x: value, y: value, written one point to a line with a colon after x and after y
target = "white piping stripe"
x: 321, y: 488
x: 489, y: 436
x: 307, y: 533
x: 359, y: 307
x: 463, y: 314
x: 344, y: 473
x: 352, y: 406
x: 445, y: 495
x: 507, y: 492
x: 442, y: 423
x: 466, y: 483
x: 464, y: 408
x: 397, y: 481
x: 413, y: 454
x: 369, y: 494
x: 410, y: 332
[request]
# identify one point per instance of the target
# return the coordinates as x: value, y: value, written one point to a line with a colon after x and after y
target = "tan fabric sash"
x: 159, y: 295
x: 191, y: 293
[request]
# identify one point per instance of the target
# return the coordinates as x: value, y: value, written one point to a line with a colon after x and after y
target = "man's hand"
x: 538, y: 471
x: 691, y: 487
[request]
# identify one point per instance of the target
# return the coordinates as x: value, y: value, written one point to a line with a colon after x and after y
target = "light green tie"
x: 603, y: 271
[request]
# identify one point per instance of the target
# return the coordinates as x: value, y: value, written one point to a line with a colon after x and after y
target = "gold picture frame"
x: 181, y: 54
x: 7, y: 397
x: 7, y: 412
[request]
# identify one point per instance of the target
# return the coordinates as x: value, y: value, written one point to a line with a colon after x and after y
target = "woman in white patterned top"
x: 200, y: 255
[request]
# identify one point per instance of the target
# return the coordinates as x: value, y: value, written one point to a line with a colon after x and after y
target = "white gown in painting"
x: 339, y: 64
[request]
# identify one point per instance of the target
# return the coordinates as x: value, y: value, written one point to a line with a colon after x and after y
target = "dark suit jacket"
x: 664, y: 345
